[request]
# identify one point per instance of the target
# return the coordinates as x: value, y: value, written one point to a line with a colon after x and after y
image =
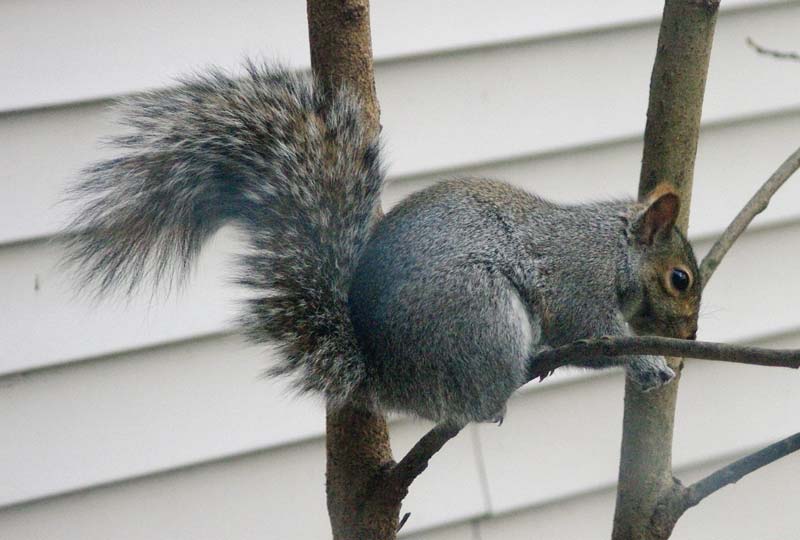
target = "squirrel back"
x: 437, y: 309
x: 270, y: 153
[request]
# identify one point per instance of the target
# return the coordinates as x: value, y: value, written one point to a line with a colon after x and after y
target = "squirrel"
x: 436, y: 309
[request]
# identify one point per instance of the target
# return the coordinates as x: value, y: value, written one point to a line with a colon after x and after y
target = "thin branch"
x: 738, y: 469
x: 403, y: 521
x: 782, y: 55
x: 544, y: 363
x: 416, y: 460
x: 757, y: 204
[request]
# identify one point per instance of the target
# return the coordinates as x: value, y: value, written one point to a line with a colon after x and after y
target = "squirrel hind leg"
x: 449, y: 345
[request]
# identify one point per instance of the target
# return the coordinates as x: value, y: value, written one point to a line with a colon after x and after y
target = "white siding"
x: 759, y: 506
x: 424, y: 98
x: 98, y: 49
x: 148, y: 419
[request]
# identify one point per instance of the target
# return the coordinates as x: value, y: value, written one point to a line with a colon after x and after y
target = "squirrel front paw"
x: 649, y: 372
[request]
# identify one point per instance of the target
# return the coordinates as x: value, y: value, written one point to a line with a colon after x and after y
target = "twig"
x: 757, y: 204
x: 403, y: 521
x: 542, y: 364
x: 738, y: 469
x: 416, y: 460
x: 772, y: 52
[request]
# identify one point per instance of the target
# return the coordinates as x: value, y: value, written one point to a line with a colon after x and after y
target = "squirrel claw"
x: 544, y: 375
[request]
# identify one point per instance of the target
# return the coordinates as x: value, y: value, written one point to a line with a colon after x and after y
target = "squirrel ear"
x: 660, y: 215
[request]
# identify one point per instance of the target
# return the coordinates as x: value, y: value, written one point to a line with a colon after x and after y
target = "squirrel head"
x: 669, y: 280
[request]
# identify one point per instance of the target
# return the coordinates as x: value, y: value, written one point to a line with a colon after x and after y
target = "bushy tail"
x: 302, y: 177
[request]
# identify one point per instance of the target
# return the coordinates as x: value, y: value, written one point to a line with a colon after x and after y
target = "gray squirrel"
x: 437, y: 309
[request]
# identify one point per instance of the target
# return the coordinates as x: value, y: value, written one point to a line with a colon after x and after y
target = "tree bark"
x: 670, y: 144
x: 341, y: 49
x: 357, y: 441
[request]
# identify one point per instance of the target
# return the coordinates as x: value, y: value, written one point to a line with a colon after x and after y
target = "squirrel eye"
x: 680, y: 279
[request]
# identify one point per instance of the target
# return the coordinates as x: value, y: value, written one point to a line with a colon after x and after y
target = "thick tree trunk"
x: 673, y: 123
x: 358, y: 451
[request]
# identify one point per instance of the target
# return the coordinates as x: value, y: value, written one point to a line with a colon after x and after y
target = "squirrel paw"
x: 496, y: 418
x: 650, y: 373
x: 651, y: 380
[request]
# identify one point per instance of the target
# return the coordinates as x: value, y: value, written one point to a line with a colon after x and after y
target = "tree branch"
x: 735, y: 471
x: 542, y: 364
x: 781, y: 55
x: 757, y: 204
x: 416, y: 460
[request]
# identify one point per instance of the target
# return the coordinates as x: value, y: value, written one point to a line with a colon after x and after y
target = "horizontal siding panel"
x: 42, y: 152
x: 510, y: 101
x: 574, y: 432
x: 49, y: 325
x: 164, y: 408
x: 451, y: 489
x: 587, y: 517
x: 728, y: 408
x: 761, y: 506
x: 461, y: 531
x: 612, y: 170
x: 454, y: 111
x: 276, y: 494
x: 99, y: 49
x: 755, y: 291
x: 268, y: 495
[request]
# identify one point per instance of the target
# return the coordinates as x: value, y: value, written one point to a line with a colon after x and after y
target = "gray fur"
x: 433, y: 299
x: 437, y: 311
x: 256, y: 151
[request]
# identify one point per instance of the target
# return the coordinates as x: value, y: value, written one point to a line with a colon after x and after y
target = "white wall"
x: 150, y: 420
